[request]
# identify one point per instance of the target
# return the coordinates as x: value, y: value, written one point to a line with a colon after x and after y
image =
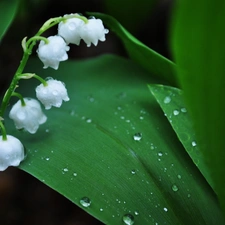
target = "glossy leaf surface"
x: 172, y: 103
x: 156, y: 64
x: 199, y: 50
x: 111, y: 151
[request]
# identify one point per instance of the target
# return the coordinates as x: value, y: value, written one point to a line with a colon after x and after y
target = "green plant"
x: 128, y: 155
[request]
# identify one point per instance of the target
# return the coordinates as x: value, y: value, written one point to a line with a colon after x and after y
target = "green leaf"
x: 112, y: 145
x: 153, y: 62
x: 199, y: 50
x: 171, y: 101
x: 7, y: 11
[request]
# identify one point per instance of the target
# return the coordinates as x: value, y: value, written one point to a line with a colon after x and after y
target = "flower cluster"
x: 27, y: 113
x: 70, y: 31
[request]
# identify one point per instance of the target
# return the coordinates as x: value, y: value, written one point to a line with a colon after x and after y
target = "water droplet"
x: 85, y: 202
x: 175, y: 112
x: 167, y: 100
x: 128, y: 219
x: 72, y: 112
x: 55, y: 93
x: 88, y: 120
x: 160, y: 154
x: 137, y: 136
x: 49, y: 78
x: 122, y: 117
x: 165, y: 209
x: 189, y: 195
x: 184, y: 110
x: 141, y: 117
x: 175, y: 188
x: 65, y: 170
x: 101, y: 209
x: 47, y: 130
x: 47, y: 158
x: 74, y: 174
x: 91, y: 99
x: 72, y: 26
x: 136, y: 213
x: 133, y: 171
x: 193, y: 143
x: 179, y: 176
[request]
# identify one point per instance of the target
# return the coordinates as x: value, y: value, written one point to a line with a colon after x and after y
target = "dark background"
x: 24, y: 199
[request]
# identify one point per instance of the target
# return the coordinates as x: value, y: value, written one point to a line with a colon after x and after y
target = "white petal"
x: 53, y: 52
x: 12, y: 152
x: 53, y: 94
x: 29, y: 116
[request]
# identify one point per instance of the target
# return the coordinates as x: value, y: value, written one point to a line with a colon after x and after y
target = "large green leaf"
x: 172, y: 103
x: 199, y: 49
x: 153, y: 62
x: 112, y: 145
x: 7, y: 11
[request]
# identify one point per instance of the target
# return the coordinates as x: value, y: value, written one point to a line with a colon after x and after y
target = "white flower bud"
x: 93, y: 31
x: 11, y: 152
x: 29, y: 116
x: 53, y: 52
x: 53, y: 94
x: 69, y: 30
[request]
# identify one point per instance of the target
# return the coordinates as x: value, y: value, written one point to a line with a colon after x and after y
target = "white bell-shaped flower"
x: 53, y: 52
x: 29, y: 116
x: 11, y: 152
x: 53, y: 94
x: 93, y: 31
x: 69, y: 30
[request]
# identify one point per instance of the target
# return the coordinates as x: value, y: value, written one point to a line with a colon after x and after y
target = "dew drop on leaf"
x: 167, y: 100
x: 165, y: 209
x: 137, y: 136
x: 160, y: 154
x: 88, y: 120
x: 65, y: 170
x: 85, y: 202
x: 175, y: 112
x: 133, y: 172
x: 128, y: 219
x: 193, y: 143
x: 184, y: 110
x: 175, y: 188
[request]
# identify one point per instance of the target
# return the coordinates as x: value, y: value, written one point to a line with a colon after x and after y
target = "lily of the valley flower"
x: 75, y: 29
x: 69, y: 30
x: 53, y: 52
x: 53, y: 94
x: 29, y: 116
x: 11, y: 152
x: 93, y: 31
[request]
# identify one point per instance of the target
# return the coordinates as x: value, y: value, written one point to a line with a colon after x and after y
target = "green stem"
x: 4, y: 134
x: 20, y: 97
x: 44, y: 82
x: 30, y: 44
